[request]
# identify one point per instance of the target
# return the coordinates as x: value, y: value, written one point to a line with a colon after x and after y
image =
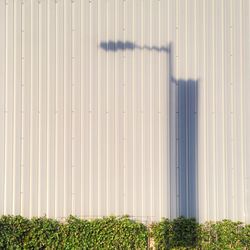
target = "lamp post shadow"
x: 183, y: 132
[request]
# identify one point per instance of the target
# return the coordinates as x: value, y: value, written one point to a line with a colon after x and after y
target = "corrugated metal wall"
x: 136, y: 107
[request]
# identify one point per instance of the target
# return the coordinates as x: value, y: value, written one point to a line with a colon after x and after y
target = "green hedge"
x: 17, y: 232
x: 105, y: 233
x: 183, y: 233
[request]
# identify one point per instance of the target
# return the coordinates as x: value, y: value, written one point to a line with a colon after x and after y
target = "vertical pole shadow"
x: 187, y: 146
x: 183, y: 124
x: 183, y: 130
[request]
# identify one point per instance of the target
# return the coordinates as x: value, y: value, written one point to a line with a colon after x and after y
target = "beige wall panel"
x: 76, y: 107
x: 138, y: 100
x: 51, y: 108
x: 34, y: 108
x: 246, y: 110
x: 219, y: 107
x: 2, y: 100
x: 172, y: 71
x: 164, y: 106
x: 60, y: 100
x: 27, y: 68
x: 208, y: 101
x: 9, y: 108
x: 69, y: 111
x: 95, y: 109
x: 110, y: 104
x: 129, y: 85
x: 43, y: 106
x: 17, y: 108
x: 125, y: 107
x: 85, y: 107
x: 103, y: 109
x: 238, y: 121
x: 202, y: 161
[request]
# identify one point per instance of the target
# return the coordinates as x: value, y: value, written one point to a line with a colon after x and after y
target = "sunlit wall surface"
x: 138, y: 107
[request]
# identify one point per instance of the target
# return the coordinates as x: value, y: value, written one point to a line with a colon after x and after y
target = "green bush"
x: 17, y: 232
x: 105, y: 233
x: 181, y: 233
x: 245, y: 236
x: 185, y: 232
x: 13, y: 230
x: 222, y: 235
x: 162, y: 234
x: 43, y: 233
x: 76, y: 233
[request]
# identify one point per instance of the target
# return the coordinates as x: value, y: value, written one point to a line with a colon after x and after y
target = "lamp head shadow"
x: 127, y: 45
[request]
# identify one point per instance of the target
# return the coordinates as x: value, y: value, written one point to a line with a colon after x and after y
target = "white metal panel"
x: 69, y: 110
x: 172, y: 70
x: 138, y: 129
x: 85, y: 107
x: 34, y: 109
x: 219, y: 106
x: 125, y: 107
x: 17, y: 108
x: 51, y: 108
x: 43, y: 106
x: 164, y: 106
x: 103, y: 110
x: 111, y: 167
x: 9, y: 108
x: 246, y: 103
x: 238, y: 121
x: 201, y: 73
x: 59, y: 98
x: 27, y: 68
x: 130, y: 86
x: 2, y: 101
x: 76, y: 106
